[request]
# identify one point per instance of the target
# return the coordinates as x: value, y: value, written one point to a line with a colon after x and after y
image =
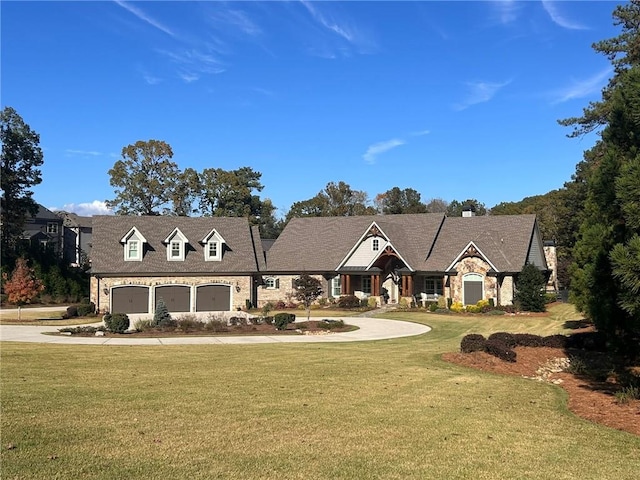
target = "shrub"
x: 268, y: 320
x: 442, y: 310
x: 281, y: 305
x: 216, y: 325
x: 241, y: 321
x: 162, y: 317
x: 142, y: 325
x: 498, y: 349
x: 431, y: 306
x: 282, y: 320
x: 577, y: 366
x: 442, y: 302
x: 626, y: 394
x: 472, y: 343
x: 117, y: 322
x: 322, y: 301
x: 483, y: 306
x: 349, y: 301
x: 404, y: 303
x: 85, y: 301
x: 85, y: 309
x: 550, y: 298
x: 330, y: 324
x: 456, y: 307
x: 527, y: 340
x: 189, y: 323
x: 472, y: 309
x: 72, y: 311
x: 530, y: 285
x: 492, y: 303
x: 82, y: 329
x: 507, y: 339
x: 554, y: 341
x: 372, y: 302
x: 593, y: 341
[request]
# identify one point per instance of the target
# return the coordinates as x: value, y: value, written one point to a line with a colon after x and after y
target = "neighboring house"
x: 44, y: 229
x: 221, y: 264
x: 76, y: 238
x: 196, y: 265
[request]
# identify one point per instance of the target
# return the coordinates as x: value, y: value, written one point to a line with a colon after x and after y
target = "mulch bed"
x: 588, y: 398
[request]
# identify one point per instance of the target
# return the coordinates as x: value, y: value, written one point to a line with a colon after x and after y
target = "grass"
x: 43, y: 318
x: 378, y: 410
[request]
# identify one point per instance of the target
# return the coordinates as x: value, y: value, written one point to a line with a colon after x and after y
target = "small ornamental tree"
x: 307, y: 290
x: 23, y: 286
x: 161, y: 317
x: 530, y: 289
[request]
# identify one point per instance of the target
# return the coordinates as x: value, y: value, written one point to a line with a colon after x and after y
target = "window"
x: 175, y: 249
x: 365, y: 284
x: 271, y: 283
x: 133, y: 250
x: 52, y: 227
x: 375, y: 244
x: 213, y: 250
x: 336, y: 287
x: 433, y: 286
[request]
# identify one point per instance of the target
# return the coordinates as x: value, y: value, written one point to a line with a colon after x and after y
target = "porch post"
x: 410, y: 284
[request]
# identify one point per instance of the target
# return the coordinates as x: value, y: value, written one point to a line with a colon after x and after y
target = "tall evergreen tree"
x: 606, y: 273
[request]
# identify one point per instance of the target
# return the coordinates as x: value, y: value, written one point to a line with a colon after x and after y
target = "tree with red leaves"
x: 23, y: 286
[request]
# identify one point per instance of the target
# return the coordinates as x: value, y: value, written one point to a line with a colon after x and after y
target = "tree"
x: 605, y: 277
x: 530, y: 289
x: 161, y: 317
x: 21, y: 157
x: 144, y: 179
x: 437, y: 205
x: 307, y: 290
x: 396, y: 201
x: 185, y: 193
x: 456, y: 207
x: 336, y: 200
x: 22, y: 286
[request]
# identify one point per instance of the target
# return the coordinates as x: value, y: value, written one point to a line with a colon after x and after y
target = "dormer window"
x: 375, y: 244
x: 213, y: 246
x: 176, y: 245
x: 133, y: 243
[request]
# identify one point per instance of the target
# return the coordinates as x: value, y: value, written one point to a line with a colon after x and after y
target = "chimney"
x: 468, y: 210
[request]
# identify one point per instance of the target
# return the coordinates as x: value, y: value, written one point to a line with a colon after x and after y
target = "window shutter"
x: 277, y: 283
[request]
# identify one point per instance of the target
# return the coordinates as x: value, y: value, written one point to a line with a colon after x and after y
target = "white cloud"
x: 193, y: 63
x: 480, y: 92
x: 420, y: 133
x: 507, y: 10
x: 85, y: 153
x: 583, y: 88
x: 150, y: 79
x: 189, y: 77
x: 145, y: 18
x: 381, y: 147
x: 96, y: 207
x: 236, y: 19
x: 558, y: 18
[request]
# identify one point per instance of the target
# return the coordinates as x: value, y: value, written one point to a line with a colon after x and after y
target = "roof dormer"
x: 133, y: 243
x: 176, y: 244
x: 213, y: 245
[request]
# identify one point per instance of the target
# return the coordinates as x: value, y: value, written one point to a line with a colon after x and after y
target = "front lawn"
x: 389, y: 409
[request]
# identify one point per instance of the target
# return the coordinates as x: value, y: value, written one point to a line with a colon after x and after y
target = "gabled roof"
x: 319, y: 244
x: 502, y: 239
x: 240, y: 256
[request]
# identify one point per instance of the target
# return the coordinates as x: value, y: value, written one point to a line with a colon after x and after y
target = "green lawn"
x: 387, y: 409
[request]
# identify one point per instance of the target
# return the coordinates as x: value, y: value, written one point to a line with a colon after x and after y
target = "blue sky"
x: 453, y: 99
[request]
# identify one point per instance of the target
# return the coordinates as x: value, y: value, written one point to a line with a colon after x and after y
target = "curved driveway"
x: 369, y: 329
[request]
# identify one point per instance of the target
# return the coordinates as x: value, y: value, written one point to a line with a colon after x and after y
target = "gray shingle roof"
x: 504, y: 240
x: 319, y: 244
x: 240, y: 254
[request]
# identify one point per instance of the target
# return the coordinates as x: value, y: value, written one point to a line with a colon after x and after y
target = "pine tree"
x: 530, y: 289
x: 161, y: 317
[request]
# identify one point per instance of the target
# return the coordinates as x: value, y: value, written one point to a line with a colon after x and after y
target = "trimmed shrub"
x: 72, y: 311
x: 364, y: 302
x: 282, y: 320
x: 372, y: 302
x: 349, y: 301
x: 82, y: 329
x: 593, y: 341
x: 442, y: 302
x: 554, y: 341
x: 116, y: 322
x: 498, y: 349
x: 527, y: 340
x: 507, y: 339
x: 472, y: 309
x: 473, y: 342
x: 456, y: 307
x: 85, y: 309
x: 330, y: 324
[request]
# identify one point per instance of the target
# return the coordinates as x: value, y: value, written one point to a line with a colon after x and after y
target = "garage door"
x: 213, y: 298
x: 130, y: 300
x: 176, y: 298
x: 472, y: 289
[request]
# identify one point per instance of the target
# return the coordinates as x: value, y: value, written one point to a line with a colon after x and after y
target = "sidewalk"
x: 369, y: 329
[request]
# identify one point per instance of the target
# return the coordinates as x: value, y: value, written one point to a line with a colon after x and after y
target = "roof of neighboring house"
x: 71, y: 219
x: 319, y: 244
x: 243, y: 253
x: 503, y: 239
x: 43, y: 214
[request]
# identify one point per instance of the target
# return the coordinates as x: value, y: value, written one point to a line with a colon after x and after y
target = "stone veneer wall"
x: 286, y: 292
x: 238, y: 299
x: 471, y: 265
x: 506, y: 291
x: 552, y: 262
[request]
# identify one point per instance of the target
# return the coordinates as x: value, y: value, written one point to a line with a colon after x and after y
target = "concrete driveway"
x: 368, y: 329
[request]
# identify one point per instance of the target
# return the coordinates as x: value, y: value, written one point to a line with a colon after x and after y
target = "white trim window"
x: 375, y: 244
x: 133, y: 243
x: 176, y: 244
x: 132, y: 251
x: 213, y: 250
x: 336, y: 286
x: 52, y: 227
x: 176, y: 249
x: 272, y: 283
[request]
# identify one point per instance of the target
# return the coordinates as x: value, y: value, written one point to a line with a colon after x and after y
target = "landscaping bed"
x: 595, y: 398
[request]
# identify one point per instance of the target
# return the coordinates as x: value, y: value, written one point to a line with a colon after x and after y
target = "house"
x: 419, y: 257
x: 194, y: 264
x: 76, y: 238
x: 221, y: 264
x: 44, y: 229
